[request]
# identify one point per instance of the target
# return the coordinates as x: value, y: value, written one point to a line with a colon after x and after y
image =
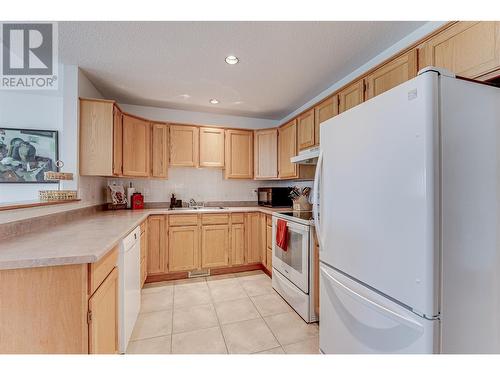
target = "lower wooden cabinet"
x: 253, y: 244
x: 144, y: 252
x: 269, y: 263
x: 214, y: 246
x: 103, y: 317
x: 183, y: 248
x: 238, y: 241
x: 262, y: 238
x: 156, y: 257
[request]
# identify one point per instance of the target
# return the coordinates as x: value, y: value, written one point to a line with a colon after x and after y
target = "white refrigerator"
x: 407, y: 211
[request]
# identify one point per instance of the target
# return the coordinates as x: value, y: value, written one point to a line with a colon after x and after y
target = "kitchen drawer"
x: 269, y: 263
x: 269, y: 220
x: 99, y: 270
x: 207, y: 219
x: 269, y: 237
x: 238, y: 218
x: 183, y: 220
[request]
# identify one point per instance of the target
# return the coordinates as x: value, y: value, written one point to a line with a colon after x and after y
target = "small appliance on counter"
x: 274, y: 197
x: 300, y: 199
x: 137, y: 201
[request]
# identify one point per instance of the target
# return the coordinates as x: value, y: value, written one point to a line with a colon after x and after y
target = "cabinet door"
x: 239, y: 154
x: 214, y: 246
x: 183, y: 248
x: 287, y: 147
x: 324, y: 111
x: 266, y: 154
x: 159, y: 150
x: 351, y: 96
x: 253, y: 251
x: 306, y: 130
x: 144, y: 252
x: 103, y: 317
x: 96, y: 137
x: 262, y: 238
x: 136, y: 146
x: 469, y: 49
x: 157, y: 245
x: 212, y: 147
x: 117, y: 142
x: 391, y: 74
x: 237, y: 244
x: 184, y: 146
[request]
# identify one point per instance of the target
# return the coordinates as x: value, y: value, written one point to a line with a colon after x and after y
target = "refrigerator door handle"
x: 384, y: 310
x: 317, y: 177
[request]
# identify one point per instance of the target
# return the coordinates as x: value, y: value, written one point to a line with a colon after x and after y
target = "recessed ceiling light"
x: 214, y: 101
x: 231, y: 60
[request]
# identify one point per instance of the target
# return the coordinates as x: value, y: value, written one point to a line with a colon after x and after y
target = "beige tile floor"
x: 236, y: 314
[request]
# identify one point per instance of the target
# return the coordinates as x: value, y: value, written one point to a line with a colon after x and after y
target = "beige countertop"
x: 86, y: 240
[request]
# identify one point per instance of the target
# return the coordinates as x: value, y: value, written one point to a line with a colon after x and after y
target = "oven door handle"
x: 316, y: 194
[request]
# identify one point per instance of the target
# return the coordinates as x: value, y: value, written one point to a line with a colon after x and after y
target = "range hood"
x: 309, y: 156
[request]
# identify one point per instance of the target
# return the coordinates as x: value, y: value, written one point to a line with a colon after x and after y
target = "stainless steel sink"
x: 198, y: 208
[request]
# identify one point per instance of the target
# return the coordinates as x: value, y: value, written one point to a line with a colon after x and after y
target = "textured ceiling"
x: 181, y: 65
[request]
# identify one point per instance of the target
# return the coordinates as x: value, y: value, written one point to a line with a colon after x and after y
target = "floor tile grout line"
x: 217, y: 317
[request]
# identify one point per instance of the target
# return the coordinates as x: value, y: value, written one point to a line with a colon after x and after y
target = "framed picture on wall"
x: 25, y: 154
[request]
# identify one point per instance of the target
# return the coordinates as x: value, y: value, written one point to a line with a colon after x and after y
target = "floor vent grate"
x: 199, y: 273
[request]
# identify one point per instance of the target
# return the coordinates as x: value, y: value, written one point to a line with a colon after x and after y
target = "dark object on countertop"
x: 119, y: 206
x: 178, y: 203
x: 172, y: 201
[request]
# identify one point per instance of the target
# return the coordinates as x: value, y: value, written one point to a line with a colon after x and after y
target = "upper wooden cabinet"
x: 305, y: 126
x: 266, y: 154
x: 184, y: 146
x: 287, y: 147
x: 391, y: 74
x: 469, y: 49
x: 136, y: 146
x: 324, y: 111
x: 239, y: 154
x: 117, y: 141
x: 159, y: 150
x: 212, y: 147
x: 98, y: 154
x: 351, y: 96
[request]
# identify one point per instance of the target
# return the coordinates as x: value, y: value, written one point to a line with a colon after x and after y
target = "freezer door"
x: 356, y: 320
x: 377, y: 193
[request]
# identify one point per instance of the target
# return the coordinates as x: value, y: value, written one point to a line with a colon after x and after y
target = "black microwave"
x: 274, y: 197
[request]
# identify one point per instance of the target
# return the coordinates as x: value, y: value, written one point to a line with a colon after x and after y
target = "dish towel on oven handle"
x: 282, y: 235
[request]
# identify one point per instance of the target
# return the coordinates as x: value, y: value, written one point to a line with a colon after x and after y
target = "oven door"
x: 293, y: 263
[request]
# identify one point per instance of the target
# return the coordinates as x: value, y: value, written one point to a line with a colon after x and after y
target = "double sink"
x: 199, y: 208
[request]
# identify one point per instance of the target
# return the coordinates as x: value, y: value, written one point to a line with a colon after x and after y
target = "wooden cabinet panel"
x: 305, y: 130
x: 117, y: 141
x: 269, y: 263
x: 212, y: 147
x: 324, y: 111
x: 184, y: 146
x: 287, y: 147
x: 144, y: 252
x: 239, y: 154
x: 157, y: 245
x: 103, y: 317
x: 183, y: 220
x: 237, y: 244
x: 391, y: 74
x: 262, y: 238
x: 136, y: 146
x: 44, y: 310
x: 183, y: 248
x: 469, y: 49
x: 96, y: 137
x: 253, y: 243
x: 99, y: 270
x: 214, y: 245
x: 211, y: 219
x: 266, y: 154
x: 159, y: 150
x: 269, y: 237
x: 238, y: 218
x: 351, y: 96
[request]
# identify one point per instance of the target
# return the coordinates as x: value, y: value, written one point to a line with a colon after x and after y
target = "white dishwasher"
x: 129, y: 264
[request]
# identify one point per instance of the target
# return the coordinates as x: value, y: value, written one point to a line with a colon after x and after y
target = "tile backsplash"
x: 201, y: 184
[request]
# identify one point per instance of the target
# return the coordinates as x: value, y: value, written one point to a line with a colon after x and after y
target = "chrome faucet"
x: 192, y: 203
